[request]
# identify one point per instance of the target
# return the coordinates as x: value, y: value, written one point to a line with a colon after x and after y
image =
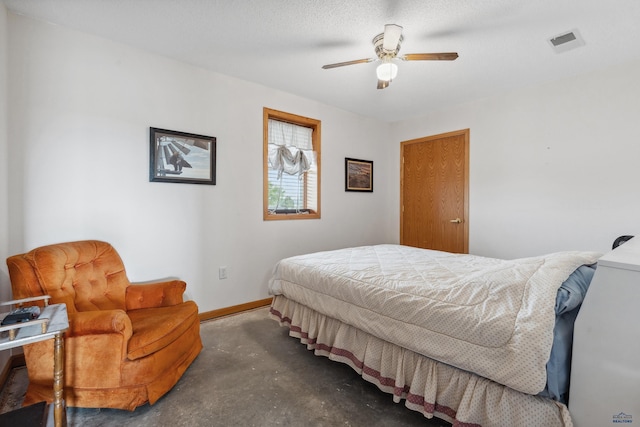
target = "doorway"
x: 434, y: 192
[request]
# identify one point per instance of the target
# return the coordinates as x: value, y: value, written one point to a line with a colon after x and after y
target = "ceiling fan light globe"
x: 387, y: 71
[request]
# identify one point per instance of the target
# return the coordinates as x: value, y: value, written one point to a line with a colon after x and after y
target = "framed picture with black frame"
x: 358, y: 175
x: 181, y: 157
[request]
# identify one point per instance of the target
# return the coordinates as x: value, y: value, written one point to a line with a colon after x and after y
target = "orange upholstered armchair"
x: 126, y: 344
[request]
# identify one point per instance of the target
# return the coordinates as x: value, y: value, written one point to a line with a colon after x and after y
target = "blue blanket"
x: 568, y: 302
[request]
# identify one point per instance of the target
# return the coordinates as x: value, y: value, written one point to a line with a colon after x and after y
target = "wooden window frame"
x: 315, y: 125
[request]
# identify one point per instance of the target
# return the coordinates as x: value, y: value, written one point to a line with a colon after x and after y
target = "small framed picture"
x: 358, y: 175
x: 181, y: 157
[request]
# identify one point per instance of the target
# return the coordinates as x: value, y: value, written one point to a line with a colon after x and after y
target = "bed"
x: 472, y: 340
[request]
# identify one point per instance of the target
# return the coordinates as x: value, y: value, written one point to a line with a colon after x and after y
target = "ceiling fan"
x: 387, y: 46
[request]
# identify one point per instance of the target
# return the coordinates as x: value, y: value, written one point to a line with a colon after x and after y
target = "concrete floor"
x: 251, y: 373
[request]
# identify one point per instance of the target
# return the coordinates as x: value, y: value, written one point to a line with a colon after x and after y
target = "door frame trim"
x: 462, y: 132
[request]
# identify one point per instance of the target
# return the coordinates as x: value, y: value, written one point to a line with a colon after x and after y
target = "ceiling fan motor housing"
x: 378, y: 43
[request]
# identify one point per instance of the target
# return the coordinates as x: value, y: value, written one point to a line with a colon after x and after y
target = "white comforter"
x: 489, y: 316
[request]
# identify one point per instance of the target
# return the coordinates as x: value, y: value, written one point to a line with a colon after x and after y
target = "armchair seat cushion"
x: 156, y: 328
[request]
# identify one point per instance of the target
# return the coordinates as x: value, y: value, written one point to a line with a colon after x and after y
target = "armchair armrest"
x: 96, y: 344
x: 151, y: 295
x: 100, y: 322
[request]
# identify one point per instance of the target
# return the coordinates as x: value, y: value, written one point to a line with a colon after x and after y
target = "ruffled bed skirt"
x: 426, y: 386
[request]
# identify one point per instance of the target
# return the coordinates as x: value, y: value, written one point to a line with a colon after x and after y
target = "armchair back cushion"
x: 127, y: 344
x: 86, y: 276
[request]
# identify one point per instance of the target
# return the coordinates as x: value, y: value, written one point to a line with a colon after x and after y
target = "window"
x: 291, y: 166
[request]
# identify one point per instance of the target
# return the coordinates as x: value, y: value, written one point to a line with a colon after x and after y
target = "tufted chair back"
x: 86, y: 275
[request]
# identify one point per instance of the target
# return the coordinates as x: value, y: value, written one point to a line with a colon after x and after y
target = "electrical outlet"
x: 222, y: 272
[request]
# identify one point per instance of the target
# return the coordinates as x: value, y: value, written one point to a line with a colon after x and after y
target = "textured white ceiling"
x: 503, y: 44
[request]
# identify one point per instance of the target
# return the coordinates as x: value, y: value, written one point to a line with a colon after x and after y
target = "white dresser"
x: 605, y: 374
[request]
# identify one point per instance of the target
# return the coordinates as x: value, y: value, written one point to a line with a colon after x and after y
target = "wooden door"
x: 434, y: 200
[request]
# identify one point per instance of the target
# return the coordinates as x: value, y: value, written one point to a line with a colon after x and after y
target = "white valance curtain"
x: 290, y: 148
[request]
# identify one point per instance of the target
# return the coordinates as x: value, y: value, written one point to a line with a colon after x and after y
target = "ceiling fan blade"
x: 342, y: 64
x: 443, y: 56
x: 391, y: 38
x: 383, y: 83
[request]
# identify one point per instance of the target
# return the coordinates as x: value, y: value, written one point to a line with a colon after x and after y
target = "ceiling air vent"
x: 566, y: 41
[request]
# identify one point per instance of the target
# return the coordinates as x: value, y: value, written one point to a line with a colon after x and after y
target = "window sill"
x: 269, y: 216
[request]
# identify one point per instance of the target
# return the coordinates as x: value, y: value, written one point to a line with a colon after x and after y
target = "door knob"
x: 457, y: 220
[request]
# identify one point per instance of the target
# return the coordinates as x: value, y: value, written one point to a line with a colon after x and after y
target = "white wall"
x: 552, y: 167
x: 80, y: 112
x: 5, y: 293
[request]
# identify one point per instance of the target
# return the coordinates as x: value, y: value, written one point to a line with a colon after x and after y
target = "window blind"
x: 291, y: 166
